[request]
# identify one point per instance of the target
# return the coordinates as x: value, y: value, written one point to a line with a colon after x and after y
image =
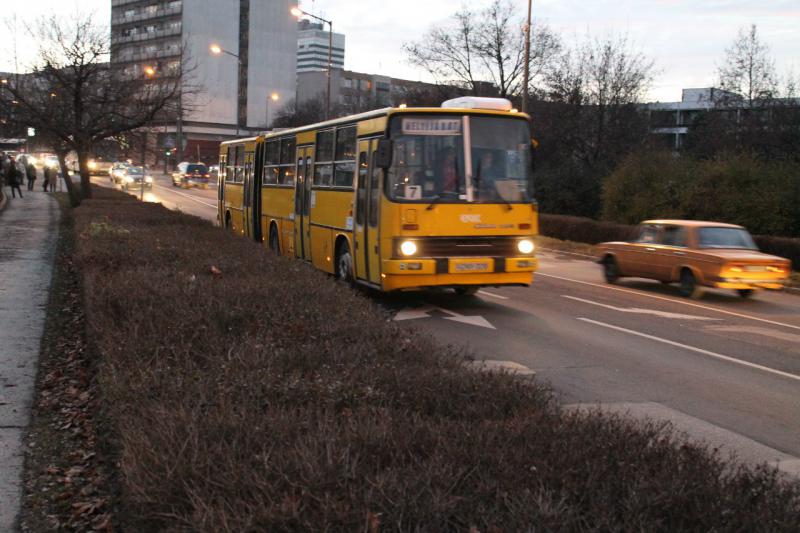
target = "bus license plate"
x: 472, y: 266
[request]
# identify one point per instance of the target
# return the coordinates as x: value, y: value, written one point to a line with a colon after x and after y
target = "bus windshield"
x: 432, y: 162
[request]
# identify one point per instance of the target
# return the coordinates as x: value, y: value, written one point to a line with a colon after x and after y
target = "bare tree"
x: 485, y: 46
x: 78, y: 98
x: 589, y: 120
x: 748, y: 69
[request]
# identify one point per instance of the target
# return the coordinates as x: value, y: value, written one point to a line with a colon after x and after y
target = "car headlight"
x: 525, y: 246
x: 408, y: 248
x: 92, y: 165
x: 128, y: 179
x: 148, y: 179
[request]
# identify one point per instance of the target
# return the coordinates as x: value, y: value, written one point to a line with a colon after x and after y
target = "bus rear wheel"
x: 344, y: 264
x: 274, y: 243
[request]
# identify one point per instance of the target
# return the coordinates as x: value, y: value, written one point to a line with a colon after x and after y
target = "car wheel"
x: 274, y: 243
x: 689, y: 287
x: 466, y: 291
x: 344, y: 264
x: 745, y: 293
x: 610, y: 270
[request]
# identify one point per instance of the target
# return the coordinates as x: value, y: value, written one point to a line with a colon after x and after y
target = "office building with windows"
x: 312, y: 48
x: 234, y: 93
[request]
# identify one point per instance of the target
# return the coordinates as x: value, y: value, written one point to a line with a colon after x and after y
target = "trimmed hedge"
x: 268, y: 397
x: 579, y: 229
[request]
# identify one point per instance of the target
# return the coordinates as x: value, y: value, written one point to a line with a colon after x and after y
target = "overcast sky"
x: 686, y: 38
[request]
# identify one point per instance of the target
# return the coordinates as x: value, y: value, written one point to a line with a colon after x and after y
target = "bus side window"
x: 362, y: 188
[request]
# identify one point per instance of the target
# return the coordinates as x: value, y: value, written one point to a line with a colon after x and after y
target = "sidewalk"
x: 28, y: 233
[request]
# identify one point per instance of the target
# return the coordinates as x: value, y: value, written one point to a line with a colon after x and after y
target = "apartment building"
x: 229, y: 94
x: 312, y: 48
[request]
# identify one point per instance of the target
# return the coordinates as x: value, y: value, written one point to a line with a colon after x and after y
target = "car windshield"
x: 725, y: 238
x: 198, y: 169
x: 136, y: 171
x: 431, y: 159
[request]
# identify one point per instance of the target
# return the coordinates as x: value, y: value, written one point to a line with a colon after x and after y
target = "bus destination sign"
x: 427, y: 126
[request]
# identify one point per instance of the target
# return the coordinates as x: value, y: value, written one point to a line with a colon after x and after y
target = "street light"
x: 526, y: 75
x: 274, y: 96
x: 297, y: 12
x: 149, y: 71
x: 218, y: 50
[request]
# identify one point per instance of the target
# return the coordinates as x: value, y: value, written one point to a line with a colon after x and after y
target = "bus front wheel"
x: 466, y: 291
x: 344, y: 264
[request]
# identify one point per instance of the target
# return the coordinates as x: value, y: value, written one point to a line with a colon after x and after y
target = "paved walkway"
x: 28, y: 231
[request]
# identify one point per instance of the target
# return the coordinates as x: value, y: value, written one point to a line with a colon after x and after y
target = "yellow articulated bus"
x: 397, y: 198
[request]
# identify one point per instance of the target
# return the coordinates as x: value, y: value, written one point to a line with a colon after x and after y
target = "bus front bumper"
x: 460, y: 271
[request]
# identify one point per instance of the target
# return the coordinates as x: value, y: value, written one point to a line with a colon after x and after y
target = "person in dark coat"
x: 30, y: 173
x: 14, y: 177
x: 48, y: 173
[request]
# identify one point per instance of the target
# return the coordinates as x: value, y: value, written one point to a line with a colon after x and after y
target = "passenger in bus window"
x: 485, y: 176
x: 448, y: 171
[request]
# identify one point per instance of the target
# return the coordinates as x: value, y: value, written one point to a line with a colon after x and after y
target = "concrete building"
x: 260, y: 41
x: 670, y: 121
x: 312, y: 48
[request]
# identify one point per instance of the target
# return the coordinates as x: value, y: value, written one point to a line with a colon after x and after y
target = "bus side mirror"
x: 384, y: 154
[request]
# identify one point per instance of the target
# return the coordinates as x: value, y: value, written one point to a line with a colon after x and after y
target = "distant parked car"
x: 191, y: 175
x: 115, y: 172
x: 695, y: 254
x: 132, y: 178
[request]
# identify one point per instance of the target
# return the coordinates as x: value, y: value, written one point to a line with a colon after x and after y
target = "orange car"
x: 695, y: 254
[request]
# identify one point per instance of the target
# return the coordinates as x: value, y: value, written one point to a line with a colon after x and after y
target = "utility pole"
x: 526, y: 76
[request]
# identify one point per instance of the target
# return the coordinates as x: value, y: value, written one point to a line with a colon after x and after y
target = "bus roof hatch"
x: 478, y: 102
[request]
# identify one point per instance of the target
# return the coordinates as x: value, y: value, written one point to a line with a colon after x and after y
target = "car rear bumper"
x: 739, y: 283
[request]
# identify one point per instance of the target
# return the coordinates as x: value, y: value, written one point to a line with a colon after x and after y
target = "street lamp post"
x: 217, y: 50
x: 527, y: 61
x: 297, y: 12
x: 274, y: 96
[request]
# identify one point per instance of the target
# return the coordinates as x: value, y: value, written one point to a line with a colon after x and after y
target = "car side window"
x: 674, y: 236
x: 648, y: 234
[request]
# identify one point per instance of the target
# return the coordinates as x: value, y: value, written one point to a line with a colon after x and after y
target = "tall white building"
x: 312, y: 48
x: 260, y: 38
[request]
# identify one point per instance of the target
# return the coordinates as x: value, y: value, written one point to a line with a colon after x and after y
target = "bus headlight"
x: 525, y: 246
x: 408, y: 248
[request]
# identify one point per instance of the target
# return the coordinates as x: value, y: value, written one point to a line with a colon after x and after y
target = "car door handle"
x: 679, y: 253
x: 650, y: 249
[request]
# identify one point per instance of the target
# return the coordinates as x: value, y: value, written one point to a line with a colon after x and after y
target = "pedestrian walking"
x: 30, y: 173
x: 48, y: 172
x: 14, y: 177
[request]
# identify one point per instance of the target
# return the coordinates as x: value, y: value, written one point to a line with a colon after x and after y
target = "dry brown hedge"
x: 270, y: 398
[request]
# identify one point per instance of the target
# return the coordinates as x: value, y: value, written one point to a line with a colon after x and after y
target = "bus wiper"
x: 434, y: 201
x: 503, y: 200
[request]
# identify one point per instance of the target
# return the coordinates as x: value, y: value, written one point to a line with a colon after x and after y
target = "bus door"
x: 221, y: 172
x: 302, y: 201
x: 368, y: 195
x: 247, y: 192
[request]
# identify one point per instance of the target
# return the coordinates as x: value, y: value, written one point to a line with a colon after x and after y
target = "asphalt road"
x: 721, y: 369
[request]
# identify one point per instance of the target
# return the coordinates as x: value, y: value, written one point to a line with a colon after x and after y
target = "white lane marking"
x: 780, y: 335
x: 553, y: 251
x: 493, y: 295
x: 422, y: 312
x: 638, y: 310
x: 693, y: 349
x: 189, y: 196
x: 639, y: 293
